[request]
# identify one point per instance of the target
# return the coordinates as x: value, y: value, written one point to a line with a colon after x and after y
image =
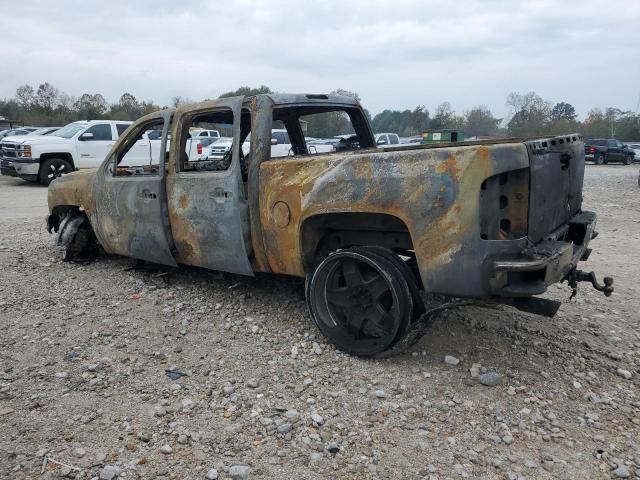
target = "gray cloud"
x: 395, y: 54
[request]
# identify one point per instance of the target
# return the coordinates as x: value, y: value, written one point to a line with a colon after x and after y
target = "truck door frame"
x: 132, y: 218
x: 208, y: 211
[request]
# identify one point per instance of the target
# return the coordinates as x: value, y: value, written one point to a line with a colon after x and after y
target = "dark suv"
x: 606, y: 150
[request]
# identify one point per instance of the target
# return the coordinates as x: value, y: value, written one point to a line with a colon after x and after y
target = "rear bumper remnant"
x: 550, y: 261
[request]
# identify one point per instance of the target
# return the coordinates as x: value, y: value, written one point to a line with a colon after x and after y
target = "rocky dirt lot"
x: 119, y: 371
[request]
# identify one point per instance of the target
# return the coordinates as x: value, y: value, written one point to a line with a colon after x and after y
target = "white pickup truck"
x: 386, y: 139
x: 280, y: 146
x: 201, y: 132
x: 78, y: 145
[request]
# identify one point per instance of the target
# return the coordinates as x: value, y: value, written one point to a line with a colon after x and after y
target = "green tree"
x: 445, y: 117
x: 330, y: 124
x: 405, y: 123
x: 91, y: 106
x: 479, y: 121
x: 563, y: 111
x: 596, y: 125
x: 627, y: 127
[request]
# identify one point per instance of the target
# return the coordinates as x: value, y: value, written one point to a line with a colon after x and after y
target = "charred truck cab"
x: 372, y: 230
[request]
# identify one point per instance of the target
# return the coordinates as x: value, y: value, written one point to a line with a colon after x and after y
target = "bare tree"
x: 46, y: 96
x: 530, y: 114
x: 178, y: 100
x: 25, y: 95
x: 479, y: 121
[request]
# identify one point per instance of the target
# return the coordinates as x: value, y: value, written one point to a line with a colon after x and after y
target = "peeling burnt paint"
x: 435, y: 192
x: 75, y: 190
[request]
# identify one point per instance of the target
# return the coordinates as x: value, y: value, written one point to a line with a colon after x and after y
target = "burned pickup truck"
x: 372, y: 230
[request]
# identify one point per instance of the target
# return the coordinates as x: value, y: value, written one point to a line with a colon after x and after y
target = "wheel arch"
x: 326, y: 232
x: 58, y: 213
x: 63, y: 155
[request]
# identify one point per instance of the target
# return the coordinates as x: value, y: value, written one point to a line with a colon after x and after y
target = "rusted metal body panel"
x: 73, y: 190
x: 131, y: 212
x: 435, y: 192
x: 260, y: 148
x: 208, y: 212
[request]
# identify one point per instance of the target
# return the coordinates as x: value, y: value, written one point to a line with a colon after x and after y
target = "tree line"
x: 529, y: 115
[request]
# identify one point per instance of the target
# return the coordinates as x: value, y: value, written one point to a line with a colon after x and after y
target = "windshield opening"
x: 68, y: 131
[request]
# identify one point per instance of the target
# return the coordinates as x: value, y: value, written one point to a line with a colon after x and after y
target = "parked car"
x: 201, y: 132
x: 45, y: 131
x: 323, y: 141
x: 18, y: 131
x: 199, y: 147
x: 636, y: 150
x: 386, y: 139
x: 76, y: 146
x: 369, y: 229
x: 415, y: 140
x: 280, y: 146
x: 607, y: 150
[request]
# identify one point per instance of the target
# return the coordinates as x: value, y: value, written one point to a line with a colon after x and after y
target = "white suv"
x: 83, y: 144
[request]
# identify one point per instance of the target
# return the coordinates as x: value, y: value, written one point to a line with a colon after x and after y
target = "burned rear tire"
x: 412, y: 280
x: 360, y: 301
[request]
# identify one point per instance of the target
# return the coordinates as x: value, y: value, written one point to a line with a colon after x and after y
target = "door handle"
x: 147, y: 195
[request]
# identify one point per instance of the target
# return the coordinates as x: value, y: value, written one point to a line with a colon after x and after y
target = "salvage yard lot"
x: 84, y: 352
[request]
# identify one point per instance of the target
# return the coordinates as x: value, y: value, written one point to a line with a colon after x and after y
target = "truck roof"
x: 290, y: 99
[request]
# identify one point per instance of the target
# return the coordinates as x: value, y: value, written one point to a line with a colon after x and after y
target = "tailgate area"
x: 556, y: 177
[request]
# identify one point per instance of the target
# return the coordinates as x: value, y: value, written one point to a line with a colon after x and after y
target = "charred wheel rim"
x: 359, y: 303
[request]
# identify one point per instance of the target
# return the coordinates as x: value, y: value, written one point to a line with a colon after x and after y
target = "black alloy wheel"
x: 360, y: 301
x: 411, y: 277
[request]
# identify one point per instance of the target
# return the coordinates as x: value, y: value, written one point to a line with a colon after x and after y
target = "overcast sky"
x: 395, y: 54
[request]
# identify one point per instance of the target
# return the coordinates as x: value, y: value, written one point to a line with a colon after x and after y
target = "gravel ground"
x: 256, y: 392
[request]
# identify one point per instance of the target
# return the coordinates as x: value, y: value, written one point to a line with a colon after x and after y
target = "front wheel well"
x: 325, y: 233
x: 58, y: 213
x: 64, y: 155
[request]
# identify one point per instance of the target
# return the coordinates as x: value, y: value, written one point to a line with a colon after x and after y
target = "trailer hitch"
x: 576, y: 276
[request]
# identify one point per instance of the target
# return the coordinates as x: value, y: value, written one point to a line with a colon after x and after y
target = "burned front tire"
x: 75, y: 240
x: 360, y: 301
